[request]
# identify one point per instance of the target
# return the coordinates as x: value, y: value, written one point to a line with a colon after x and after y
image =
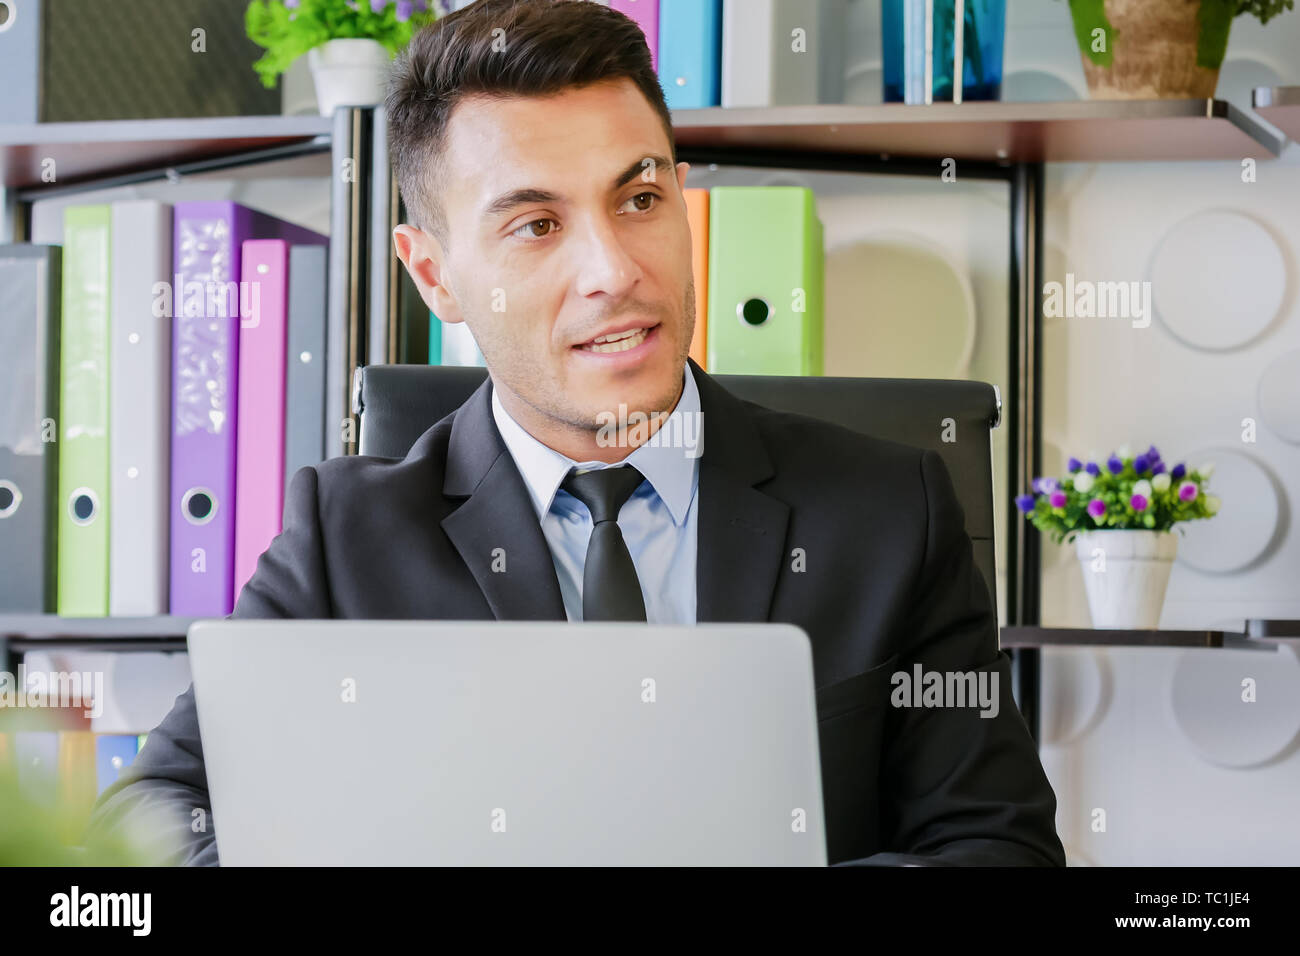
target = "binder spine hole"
x: 83, y: 506
x: 199, y: 506
x: 10, y: 496
x: 754, y: 311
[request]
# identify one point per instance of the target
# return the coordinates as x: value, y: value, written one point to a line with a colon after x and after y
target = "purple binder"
x: 206, y: 303
x: 645, y: 13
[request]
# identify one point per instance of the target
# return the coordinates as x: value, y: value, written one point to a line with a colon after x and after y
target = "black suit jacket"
x: 887, y: 581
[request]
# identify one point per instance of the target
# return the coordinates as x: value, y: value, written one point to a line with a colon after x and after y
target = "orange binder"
x: 697, y: 214
x: 76, y: 783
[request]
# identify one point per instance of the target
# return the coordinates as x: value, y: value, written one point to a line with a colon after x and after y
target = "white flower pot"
x: 349, y: 72
x: 1125, y: 574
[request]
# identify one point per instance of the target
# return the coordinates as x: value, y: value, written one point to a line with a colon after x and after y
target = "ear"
x: 682, y: 170
x: 424, y: 261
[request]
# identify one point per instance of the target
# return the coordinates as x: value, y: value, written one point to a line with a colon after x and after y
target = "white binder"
x: 782, y: 52
x: 140, y: 408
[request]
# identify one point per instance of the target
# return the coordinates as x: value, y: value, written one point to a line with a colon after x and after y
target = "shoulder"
x: 801, y: 442
x: 369, y: 479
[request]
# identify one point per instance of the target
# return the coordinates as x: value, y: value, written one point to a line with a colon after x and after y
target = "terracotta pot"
x: 1154, y: 52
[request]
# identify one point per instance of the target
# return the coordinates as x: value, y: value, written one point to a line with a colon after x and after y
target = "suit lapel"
x: 741, y: 530
x: 498, y: 514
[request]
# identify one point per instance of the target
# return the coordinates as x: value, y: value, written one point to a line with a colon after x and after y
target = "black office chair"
x: 398, y: 403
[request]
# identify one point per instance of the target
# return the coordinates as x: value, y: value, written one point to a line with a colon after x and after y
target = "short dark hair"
x: 549, y: 46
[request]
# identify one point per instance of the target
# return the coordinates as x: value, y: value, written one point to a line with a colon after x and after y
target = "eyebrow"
x: 519, y: 197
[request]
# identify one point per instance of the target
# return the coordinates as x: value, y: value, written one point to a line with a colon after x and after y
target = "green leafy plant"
x: 287, y: 29
x: 1125, y: 492
x: 32, y: 834
x: 1265, y: 10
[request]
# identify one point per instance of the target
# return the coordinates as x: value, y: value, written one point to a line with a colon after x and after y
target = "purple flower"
x: 1141, y: 464
x: 1092, y: 469
x: 1178, y: 472
x: 1096, y: 508
x: 1073, y: 465
x: 1153, y: 454
x: 291, y: 4
x: 1045, y: 486
x: 1187, y: 491
x: 1115, y: 465
x: 1025, y: 503
x: 377, y: 6
x: 1058, y: 499
x: 421, y: 6
x: 1158, y: 468
x: 1139, y: 502
x: 404, y: 8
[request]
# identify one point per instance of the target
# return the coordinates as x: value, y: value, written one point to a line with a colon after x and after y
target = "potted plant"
x: 1120, y: 515
x: 1158, y: 49
x: 349, y: 43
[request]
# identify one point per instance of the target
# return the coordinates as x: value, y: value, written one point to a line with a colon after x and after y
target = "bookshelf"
x: 993, y: 132
x: 1030, y: 637
x: 108, y: 153
x: 1006, y: 142
x: 1279, y: 105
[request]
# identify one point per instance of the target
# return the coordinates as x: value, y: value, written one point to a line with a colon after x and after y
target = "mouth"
x: 620, y: 343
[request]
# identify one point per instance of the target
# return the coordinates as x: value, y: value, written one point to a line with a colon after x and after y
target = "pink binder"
x: 646, y: 13
x: 259, y: 429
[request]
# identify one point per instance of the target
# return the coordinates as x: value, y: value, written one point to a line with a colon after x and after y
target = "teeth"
x: 615, y: 336
x: 615, y: 343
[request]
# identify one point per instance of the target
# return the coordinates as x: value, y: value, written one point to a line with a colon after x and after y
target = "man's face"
x: 565, y: 222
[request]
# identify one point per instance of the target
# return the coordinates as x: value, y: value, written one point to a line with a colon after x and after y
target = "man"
x: 535, y: 154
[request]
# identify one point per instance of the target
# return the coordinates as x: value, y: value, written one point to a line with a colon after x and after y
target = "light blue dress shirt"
x: 658, y: 522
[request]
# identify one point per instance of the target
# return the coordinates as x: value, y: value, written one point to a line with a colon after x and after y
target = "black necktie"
x: 610, y: 588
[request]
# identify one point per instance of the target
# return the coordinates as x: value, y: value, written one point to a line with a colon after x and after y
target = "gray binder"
x: 30, y: 283
x: 74, y: 60
x: 304, y: 388
x: 20, y: 63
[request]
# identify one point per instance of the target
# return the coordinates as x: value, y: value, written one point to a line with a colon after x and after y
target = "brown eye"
x: 650, y: 199
x: 532, y: 231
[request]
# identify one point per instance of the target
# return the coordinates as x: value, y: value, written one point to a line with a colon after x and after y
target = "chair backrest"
x: 398, y: 403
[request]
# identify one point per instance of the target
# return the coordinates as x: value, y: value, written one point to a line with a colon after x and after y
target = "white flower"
x: 1212, y: 504
x: 1083, y: 482
x: 1161, y: 482
x: 1123, y: 453
x: 1206, y: 469
x: 1143, y: 488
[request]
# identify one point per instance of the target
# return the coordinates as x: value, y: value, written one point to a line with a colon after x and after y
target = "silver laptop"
x: 509, y: 743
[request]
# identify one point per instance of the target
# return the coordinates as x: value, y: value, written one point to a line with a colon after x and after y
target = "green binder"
x: 83, y: 429
x: 766, y: 281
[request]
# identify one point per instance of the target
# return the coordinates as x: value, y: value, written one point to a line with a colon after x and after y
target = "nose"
x: 605, y: 265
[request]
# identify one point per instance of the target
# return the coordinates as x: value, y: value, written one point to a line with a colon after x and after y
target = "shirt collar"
x: 672, y: 470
